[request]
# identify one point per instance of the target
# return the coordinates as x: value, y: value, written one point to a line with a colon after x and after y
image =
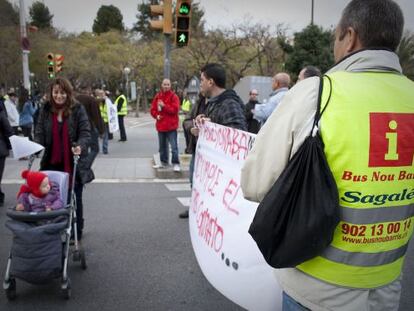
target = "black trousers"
x: 122, y: 127
x: 2, y: 162
x: 27, y: 131
x: 79, y: 209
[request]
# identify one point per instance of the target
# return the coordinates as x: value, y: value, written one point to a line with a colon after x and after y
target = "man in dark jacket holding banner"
x: 225, y: 107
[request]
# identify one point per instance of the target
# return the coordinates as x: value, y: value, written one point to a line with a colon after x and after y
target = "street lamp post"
x: 127, y: 71
x: 312, y: 12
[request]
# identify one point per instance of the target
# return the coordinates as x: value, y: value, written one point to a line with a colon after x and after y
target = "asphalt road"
x: 139, y: 257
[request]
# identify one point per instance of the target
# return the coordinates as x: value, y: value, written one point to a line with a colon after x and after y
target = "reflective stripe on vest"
x: 368, y: 132
x: 124, y: 108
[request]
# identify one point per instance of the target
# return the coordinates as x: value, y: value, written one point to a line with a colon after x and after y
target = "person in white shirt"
x: 12, y: 113
x: 280, y: 85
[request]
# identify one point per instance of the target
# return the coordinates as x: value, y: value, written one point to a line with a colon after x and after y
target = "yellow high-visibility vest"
x: 124, y: 109
x: 368, y: 132
x: 186, y: 105
x: 104, y: 113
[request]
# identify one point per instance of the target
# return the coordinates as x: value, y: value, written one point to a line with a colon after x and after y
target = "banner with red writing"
x: 220, y: 218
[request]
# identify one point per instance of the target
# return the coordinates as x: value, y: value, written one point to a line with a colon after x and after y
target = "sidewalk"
x: 129, y: 162
x: 105, y: 169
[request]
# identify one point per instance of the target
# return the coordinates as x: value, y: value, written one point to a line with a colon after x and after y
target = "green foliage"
x: 40, y: 15
x: 10, y: 60
x: 405, y: 52
x: 9, y: 15
x: 108, y: 17
x: 312, y: 46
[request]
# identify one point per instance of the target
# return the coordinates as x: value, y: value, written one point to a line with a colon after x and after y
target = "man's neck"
x: 217, y: 91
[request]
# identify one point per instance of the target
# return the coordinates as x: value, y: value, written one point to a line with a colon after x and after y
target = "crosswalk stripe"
x: 178, y: 187
x: 185, y: 201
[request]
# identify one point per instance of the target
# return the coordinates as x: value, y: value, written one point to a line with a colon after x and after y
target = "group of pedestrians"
x: 366, y: 87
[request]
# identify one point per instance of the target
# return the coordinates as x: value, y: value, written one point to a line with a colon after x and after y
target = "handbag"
x: 297, y: 218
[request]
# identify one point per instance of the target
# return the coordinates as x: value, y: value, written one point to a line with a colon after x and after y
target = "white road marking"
x: 185, y: 201
x: 179, y: 187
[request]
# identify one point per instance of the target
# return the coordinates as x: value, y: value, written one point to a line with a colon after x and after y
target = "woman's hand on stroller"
x: 19, y: 207
x: 76, y: 150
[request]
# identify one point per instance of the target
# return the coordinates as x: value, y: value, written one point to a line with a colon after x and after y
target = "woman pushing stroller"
x: 63, y: 128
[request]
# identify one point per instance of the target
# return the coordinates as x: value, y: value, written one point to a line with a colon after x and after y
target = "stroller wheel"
x: 83, y: 259
x: 10, y: 289
x: 66, y: 289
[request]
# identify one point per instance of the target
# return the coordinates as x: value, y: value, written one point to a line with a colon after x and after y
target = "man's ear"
x: 353, y: 43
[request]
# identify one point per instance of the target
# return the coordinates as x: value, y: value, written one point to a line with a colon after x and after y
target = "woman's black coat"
x: 79, y: 134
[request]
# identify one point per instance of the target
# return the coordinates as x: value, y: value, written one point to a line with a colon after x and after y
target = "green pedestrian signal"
x: 182, y: 38
x: 182, y: 23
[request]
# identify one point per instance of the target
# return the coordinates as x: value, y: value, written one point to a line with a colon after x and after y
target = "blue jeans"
x: 163, y: 139
x: 290, y: 304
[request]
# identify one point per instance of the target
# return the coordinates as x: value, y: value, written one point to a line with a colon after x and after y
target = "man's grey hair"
x: 378, y: 23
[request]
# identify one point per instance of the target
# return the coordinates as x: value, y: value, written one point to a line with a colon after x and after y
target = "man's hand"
x: 200, y: 119
x: 19, y: 207
x: 48, y: 208
x: 195, y: 131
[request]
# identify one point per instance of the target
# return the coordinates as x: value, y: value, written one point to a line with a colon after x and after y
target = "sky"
x: 78, y: 15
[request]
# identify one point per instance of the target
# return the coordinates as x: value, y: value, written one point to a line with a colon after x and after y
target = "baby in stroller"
x: 38, y: 194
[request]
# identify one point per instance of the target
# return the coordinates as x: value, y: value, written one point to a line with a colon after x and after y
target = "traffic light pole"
x: 167, y: 59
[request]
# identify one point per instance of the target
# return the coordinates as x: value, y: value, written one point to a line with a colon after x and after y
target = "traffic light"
x: 182, y: 22
x: 59, y: 62
x: 50, y: 65
x: 165, y: 11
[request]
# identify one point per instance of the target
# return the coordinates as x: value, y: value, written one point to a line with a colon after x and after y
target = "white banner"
x: 220, y: 218
x: 112, y: 116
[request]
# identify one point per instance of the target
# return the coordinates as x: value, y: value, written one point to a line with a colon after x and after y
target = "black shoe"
x: 122, y: 140
x: 1, y: 199
x: 183, y: 214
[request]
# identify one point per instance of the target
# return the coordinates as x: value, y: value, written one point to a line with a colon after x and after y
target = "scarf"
x: 59, y: 142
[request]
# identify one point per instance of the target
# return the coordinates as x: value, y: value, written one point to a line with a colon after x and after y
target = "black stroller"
x: 42, y: 241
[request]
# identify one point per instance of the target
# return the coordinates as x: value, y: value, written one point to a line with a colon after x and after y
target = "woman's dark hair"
x: 378, y: 23
x: 215, y: 72
x: 92, y: 110
x: 68, y: 89
x: 23, y: 98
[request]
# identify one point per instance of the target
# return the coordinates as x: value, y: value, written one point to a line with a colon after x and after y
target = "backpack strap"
x: 318, y: 113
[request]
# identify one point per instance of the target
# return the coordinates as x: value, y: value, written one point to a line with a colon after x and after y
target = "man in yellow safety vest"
x: 121, y: 104
x: 368, y: 133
